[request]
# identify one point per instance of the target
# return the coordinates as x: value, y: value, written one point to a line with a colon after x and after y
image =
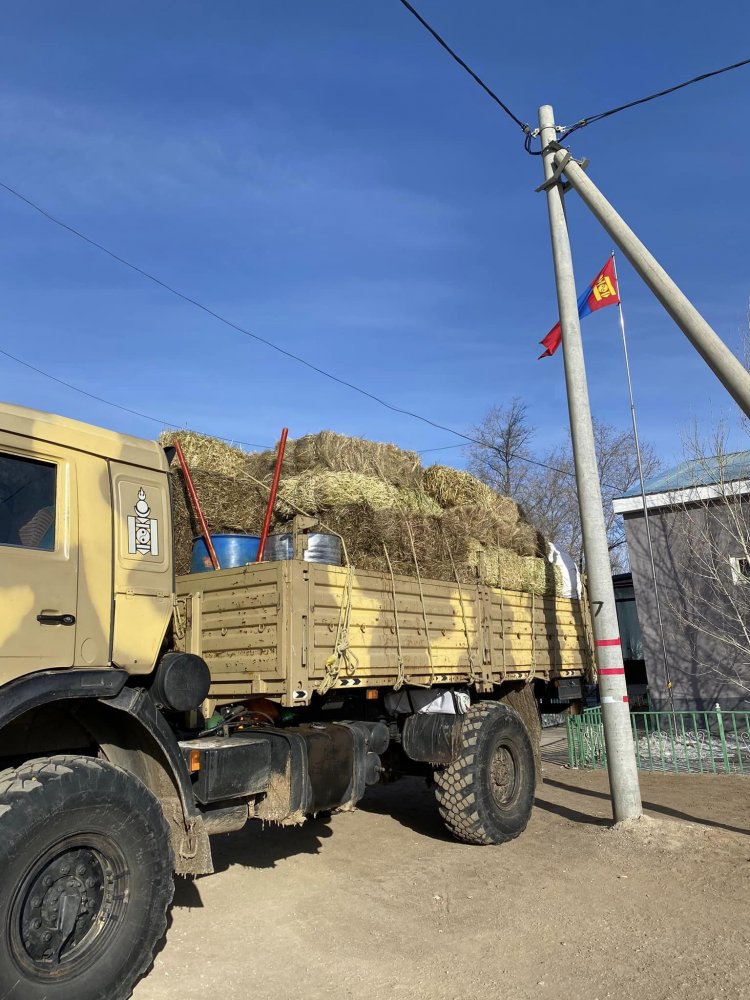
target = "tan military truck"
x: 139, y: 714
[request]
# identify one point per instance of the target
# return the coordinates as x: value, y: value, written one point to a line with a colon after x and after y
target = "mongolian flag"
x: 601, y: 292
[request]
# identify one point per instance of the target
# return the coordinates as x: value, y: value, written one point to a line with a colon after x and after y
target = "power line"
x: 234, y: 326
x: 529, y: 134
x: 443, y: 447
x: 227, y: 322
x: 251, y: 444
x: 651, y: 97
x: 118, y: 406
x: 477, y: 79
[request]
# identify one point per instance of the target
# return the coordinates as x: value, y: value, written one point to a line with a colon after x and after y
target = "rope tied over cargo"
x: 472, y: 673
x: 342, y: 654
x: 502, y: 623
x: 421, y: 598
x: 532, y: 675
x: 401, y: 676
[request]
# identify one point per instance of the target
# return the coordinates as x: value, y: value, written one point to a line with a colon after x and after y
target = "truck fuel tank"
x: 288, y: 773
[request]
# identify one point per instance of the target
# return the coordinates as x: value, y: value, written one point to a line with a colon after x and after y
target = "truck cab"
x: 86, y: 575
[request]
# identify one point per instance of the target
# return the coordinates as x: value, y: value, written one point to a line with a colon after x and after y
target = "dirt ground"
x: 380, y: 903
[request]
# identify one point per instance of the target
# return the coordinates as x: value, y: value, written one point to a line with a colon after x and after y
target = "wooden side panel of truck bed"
x: 283, y: 629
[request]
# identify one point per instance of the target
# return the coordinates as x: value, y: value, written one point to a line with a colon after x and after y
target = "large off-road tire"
x: 485, y: 796
x: 85, y: 880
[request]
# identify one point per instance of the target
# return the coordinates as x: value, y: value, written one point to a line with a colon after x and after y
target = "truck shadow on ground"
x: 409, y: 802
x: 651, y: 806
x: 256, y: 846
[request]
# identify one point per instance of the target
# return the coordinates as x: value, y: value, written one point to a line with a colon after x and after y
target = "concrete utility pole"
x: 730, y: 372
x: 618, y: 737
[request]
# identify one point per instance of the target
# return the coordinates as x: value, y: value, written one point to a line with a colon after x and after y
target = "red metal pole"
x: 196, y: 504
x: 272, y: 497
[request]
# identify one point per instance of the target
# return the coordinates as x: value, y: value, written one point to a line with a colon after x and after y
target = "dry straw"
x: 373, y: 495
x: 319, y: 492
x: 204, y: 452
x: 331, y: 452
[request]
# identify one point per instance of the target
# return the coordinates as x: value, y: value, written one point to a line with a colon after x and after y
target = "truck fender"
x: 46, y: 686
x: 131, y: 733
x: 146, y: 747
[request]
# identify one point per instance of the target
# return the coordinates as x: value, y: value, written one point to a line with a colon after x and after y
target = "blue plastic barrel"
x: 231, y: 550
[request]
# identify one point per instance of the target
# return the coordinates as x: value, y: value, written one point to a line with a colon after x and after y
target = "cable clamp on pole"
x: 554, y: 179
x: 555, y: 147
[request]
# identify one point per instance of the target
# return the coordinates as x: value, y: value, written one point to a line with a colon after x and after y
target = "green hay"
x: 507, y: 570
x: 320, y: 492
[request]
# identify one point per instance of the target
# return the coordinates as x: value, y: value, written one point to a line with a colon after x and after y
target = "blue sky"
x: 324, y: 175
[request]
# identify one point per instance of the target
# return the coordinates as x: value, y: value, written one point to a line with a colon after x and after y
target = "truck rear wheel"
x: 485, y: 795
x: 86, y: 865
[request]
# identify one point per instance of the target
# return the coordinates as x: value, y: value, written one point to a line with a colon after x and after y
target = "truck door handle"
x: 56, y: 619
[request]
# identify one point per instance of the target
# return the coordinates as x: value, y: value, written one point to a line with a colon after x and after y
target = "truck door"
x: 38, y: 559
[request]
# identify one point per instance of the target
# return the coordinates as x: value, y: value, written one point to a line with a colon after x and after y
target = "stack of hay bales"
x: 231, y: 503
x: 377, y: 497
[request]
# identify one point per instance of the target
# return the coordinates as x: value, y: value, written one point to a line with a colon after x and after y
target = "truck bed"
x: 275, y: 629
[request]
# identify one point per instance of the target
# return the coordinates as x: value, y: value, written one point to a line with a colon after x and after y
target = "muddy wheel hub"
x: 502, y: 776
x: 67, y: 906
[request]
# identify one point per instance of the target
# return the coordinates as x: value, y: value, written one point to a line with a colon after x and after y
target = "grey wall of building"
x: 704, y: 669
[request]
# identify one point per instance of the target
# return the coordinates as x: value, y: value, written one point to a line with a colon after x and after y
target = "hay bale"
x: 205, y: 452
x: 454, y: 488
x: 229, y: 505
x: 507, y: 570
x: 320, y: 492
x: 369, y: 493
x: 365, y: 532
x: 483, y: 513
x: 331, y: 452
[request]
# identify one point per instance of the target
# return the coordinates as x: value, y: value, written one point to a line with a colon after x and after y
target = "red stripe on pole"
x: 610, y: 671
x: 625, y: 698
x: 607, y: 642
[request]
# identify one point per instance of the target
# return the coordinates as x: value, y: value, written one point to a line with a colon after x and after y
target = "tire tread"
x: 456, y: 785
x: 40, y: 776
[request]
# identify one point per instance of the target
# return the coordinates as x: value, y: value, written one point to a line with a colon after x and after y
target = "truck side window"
x: 27, y: 502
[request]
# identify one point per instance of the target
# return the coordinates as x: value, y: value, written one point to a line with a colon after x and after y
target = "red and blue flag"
x: 601, y: 292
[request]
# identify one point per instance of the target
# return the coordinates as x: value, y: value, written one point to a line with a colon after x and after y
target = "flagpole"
x: 643, y: 489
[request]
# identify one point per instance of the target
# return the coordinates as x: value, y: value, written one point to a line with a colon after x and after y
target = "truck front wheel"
x: 485, y: 795
x: 86, y: 867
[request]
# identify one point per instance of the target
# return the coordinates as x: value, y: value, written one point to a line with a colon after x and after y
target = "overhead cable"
x: 234, y: 326
x: 590, y: 119
x: 119, y: 406
x: 477, y: 79
x: 228, y: 322
x: 652, y: 97
x: 254, y: 336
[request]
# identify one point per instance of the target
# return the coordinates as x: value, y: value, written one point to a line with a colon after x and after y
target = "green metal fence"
x: 679, y: 742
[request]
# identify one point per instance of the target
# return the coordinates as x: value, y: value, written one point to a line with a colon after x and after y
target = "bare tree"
x: 545, y: 485
x: 709, y: 596
x: 501, y: 457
